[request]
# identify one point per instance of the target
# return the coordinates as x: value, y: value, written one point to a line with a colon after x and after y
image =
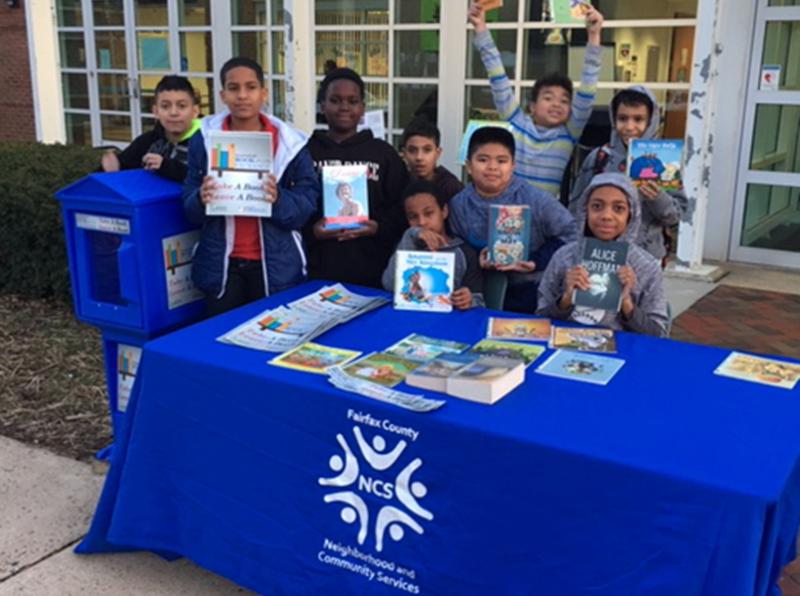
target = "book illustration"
x: 602, y: 260
x: 588, y: 368
x: 472, y: 126
x: 385, y: 369
x: 509, y: 233
x: 518, y: 329
x: 567, y: 12
x: 766, y: 371
x: 421, y: 348
x: 424, y: 281
x: 656, y: 161
x: 584, y: 339
x: 240, y: 163
x: 507, y: 349
x: 770, y: 77
x: 344, y: 196
x: 314, y: 358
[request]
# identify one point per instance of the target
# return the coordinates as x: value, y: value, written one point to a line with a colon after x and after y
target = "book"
x: 602, y: 260
x: 508, y: 349
x: 487, y: 379
x: 577, y: 366
x: 658, y: 161
x: 766, y: 371
x: 584, y: 339
x: 569, y: 12
x: 240, y: 163
x: 488, y: 5
x: 345, y: 198
x: 385, y: 369
x: 314, y: 358
x: 509, y: 233
x: 422, y: 348
x: 424, y: 280
x: 472, y: 126
x: 433, y: 375
x: 518, y: 329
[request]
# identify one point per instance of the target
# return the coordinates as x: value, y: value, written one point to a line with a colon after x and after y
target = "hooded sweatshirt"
x: 650, y: 313
x: 362, y: 260
x: 663, y: 211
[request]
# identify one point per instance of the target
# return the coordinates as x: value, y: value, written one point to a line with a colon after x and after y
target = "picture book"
x: 385, y: 369
x: 602, y: 259
x: 421, y: 348
x: 314, y: 358
x: 584, y: 339
x: 518, y: 329
x: 433, y: 375
x: 509, y: 233
x: 577, y: 366
x: 766, y: 371
x: 657, y: 161
x: 508, y: 349
x: 487, y: 379
x: 239, y: 163
x: 344, y: 196
x: 424, y: 281
x: 569, y: 12
x: 472, y: 126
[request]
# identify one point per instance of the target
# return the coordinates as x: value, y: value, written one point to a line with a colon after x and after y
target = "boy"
x: 359, y: 255
x: 490, y: 163
x: 241, y: 259
x: 421, y: 150
x: 609, y: 210
x: 426, y: 212
x: 634, y: 114
x: 164, y: 150
x: 349, y: 207
x: 544, y: 145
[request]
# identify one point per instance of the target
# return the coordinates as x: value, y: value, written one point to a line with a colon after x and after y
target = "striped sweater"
x: 542, y: 153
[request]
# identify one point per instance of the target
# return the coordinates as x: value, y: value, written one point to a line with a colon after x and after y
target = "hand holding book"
x: 649, y: 189
x: 627, y: 278
x: 576, y: 278
x: 477, y: 16
x: 518, y: 266
x: 594, y: 24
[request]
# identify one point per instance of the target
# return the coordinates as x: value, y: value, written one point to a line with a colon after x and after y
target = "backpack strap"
x: 601, y: 160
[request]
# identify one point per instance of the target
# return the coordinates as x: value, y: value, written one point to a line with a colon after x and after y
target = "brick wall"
x: 16, y: 104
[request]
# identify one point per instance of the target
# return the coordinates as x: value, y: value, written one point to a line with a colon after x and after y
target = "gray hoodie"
x: 650, y: 314
x: 663, y: 211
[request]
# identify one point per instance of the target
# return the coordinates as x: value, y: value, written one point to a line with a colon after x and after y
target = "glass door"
x: 767, y: 208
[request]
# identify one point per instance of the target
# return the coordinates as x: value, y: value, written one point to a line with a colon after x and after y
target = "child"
x: 544, y: 145
x: 426, y: 212
x: 421, y: 150
x: 359, y: 255
x: 490, y: 163
x: 634, y: 115
x: 609, y: 210
x: 241, y: 259
x: 165, y: 149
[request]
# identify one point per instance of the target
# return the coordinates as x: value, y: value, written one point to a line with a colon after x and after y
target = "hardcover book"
x: 345, y: 198
x: 577, y: 366
x: 527, y: 353
x: 433, y: 375
x: 240, y: 163
x: 385, y: 369
x: 424, y: 281
x: 569, y: 12
x: 487, y: 379
x: 656, y: 161
x: 314, y: 358
x: 421, y: 348
x: 509, y: 233
x: 602, y: 260
x: 766, y: 371
x: 518, y: 329
x: 584, y: 339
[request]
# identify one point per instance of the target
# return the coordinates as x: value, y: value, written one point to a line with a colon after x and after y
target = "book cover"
x: 422, y: 348
x: 433, y: 375
x: 488, y: 5
x: 584, y: 339
x: 345, y: 199
x: 487, y: 379
x: 240, y: 163
x: 766, y: 371
x: 518, y: 329
x: 508, y: 349
x: 569, y: 12
x: 509, y: 233
x: 577, y: 366
x: 472, y: 126
x: 314, y: 358
x: 424, y: 281
x: 770, y: 77
x: 658, y: 161
x: 385, y: 369
x: 602, y: 260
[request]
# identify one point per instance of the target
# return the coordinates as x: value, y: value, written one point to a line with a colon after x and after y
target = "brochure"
x: 508, y: 349
x: 421, y: 348
x: 424, y: 281
x: 602, y: 260
x: 576, y: 366
x: 344, y: 196
x: 766, y: 371
x: 384, y: 369
x: 240, y: 163
x: 314, y: 358
x: 584, y: 339
x: 656, y: 161
x: 518, y: 329
x: 569, y: 12
x: 509, y: 233
x: 415, y: 403
x: 472, y: 126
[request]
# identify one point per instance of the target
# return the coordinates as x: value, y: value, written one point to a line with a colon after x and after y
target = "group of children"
x: 416, y: 204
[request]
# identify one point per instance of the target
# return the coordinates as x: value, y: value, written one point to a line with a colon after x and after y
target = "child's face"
x: 344, y: 192
x: 243, y: 93
x: 422, y: 211
x: 607, y: 212
x: 551, y: 107
x: 343, y: 106
x: 175, y: 111
x: 421, y: 155
x: 491, y: 167
x: 630, y: 122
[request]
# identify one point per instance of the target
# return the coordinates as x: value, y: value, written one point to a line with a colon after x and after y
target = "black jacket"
x: 155, y: 141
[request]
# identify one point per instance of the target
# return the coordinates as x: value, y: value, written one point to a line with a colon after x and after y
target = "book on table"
x: 602, y: 260
x: 527, y: 353
x: 487, y: 379
x: 240, y: 163
x: 381, y: 368
x: 579, y: 366
x: 767, y: 371
x: 518, y: 329
x: 433, y: 375
x: 314, y: 358
x: 584, y: 339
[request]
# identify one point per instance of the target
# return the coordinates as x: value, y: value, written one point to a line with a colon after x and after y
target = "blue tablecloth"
x: 670, y: 480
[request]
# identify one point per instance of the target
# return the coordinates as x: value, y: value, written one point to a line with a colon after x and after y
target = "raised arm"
x: 583, y: 98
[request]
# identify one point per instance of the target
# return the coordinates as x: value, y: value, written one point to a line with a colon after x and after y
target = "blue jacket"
x: 283, y: 255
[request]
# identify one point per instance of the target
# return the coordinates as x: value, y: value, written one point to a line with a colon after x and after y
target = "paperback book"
x: 766, y: 371
x: 239, y: 162
x: 656, y: 161
x: 344, y: 196
x: 424, y: 281
x: 518, y: 329
x: 527, y: 353
x: 577, y: 366
x: 602, y: 260
x: 385, y: 369
x: 584, y: 339
x: 422, y: 348
x: 433, y: 375
x: 509, y: 233
x: 569, y: 12
x: 314, y: 358
x: 487, y: 379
